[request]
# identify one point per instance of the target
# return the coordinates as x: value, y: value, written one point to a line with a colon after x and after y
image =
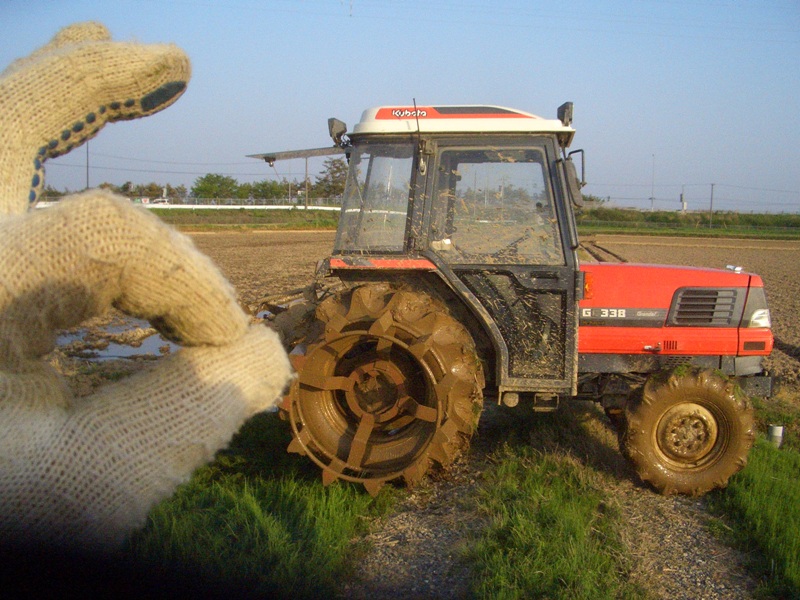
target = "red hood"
x: 652, y: 286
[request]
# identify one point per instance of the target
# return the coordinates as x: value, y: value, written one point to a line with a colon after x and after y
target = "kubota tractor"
x: 455, y: 277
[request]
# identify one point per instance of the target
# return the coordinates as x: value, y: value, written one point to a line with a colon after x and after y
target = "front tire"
x: 688, y: 431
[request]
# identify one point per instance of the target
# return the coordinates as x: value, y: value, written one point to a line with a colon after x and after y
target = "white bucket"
x: 775, y: 435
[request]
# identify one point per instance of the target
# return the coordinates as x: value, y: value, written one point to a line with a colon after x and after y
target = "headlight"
x: 760, y: 318
x: 756, y: 313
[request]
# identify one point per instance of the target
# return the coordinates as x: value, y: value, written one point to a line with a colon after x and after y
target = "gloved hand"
x: 84, y: 472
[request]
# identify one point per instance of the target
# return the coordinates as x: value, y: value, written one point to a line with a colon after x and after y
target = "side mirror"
x: 337, y: 130
x: 575, y: 183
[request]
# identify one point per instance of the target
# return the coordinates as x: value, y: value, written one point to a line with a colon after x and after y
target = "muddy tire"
x: 688, y: 431
x: 391, y: 384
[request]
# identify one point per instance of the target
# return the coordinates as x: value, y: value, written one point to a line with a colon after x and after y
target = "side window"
x: 495, y: 206
x: 376, y: 198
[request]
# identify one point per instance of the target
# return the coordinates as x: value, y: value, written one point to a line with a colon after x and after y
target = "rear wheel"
x: 688, y: 432
x: 392, y: 383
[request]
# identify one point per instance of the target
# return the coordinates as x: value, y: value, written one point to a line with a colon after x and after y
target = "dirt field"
x: 262, y: 263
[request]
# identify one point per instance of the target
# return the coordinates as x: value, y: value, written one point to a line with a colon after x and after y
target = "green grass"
x: 597, y: 220
x: 660, y: 230
x: 259, y: 519
x: 551, y: 532
x: 761, y: 505
x: 553, y: 528
x: 762, y: 509
x: 780, y: 410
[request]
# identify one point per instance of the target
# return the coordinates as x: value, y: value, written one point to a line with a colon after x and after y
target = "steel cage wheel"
x: 688, y: 431
x: 392, y: 384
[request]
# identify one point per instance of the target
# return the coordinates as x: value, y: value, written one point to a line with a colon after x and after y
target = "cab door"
x: 499, y: 226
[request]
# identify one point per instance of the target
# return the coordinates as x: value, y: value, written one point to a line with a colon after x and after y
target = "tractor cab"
x: 480, y: 196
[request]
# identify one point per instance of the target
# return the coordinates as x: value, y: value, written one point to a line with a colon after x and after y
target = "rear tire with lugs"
x: 391, y: 384
x: 688, y: 431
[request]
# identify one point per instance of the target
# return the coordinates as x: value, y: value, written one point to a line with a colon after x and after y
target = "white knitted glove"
x: 85, y: 472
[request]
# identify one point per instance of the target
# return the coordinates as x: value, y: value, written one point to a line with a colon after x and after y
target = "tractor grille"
x: 703, y: 307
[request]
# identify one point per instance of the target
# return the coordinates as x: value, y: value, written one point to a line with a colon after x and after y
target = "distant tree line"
x: 329, y: 183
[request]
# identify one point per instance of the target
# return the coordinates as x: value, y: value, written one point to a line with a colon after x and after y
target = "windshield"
x: 495, y: 205
x: 376, y: 198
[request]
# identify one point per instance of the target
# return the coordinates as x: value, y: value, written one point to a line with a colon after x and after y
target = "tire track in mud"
x: 790, y: 350
x: 600, y: 253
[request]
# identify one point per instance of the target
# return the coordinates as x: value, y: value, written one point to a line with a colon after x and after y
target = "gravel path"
x: 676, y: 555
x: 415, y: 552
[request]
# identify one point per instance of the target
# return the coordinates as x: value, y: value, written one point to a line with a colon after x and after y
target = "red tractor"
x: 455, y: 277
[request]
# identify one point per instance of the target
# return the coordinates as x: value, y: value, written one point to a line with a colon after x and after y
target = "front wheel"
x: 688, y: 431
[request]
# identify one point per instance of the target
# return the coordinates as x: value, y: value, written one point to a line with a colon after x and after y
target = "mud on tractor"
x: 455, y: 277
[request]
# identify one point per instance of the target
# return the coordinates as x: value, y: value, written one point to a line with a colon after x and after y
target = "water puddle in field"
x: 115, y: 337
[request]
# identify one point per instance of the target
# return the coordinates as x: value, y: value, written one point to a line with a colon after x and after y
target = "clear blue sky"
x: 669, y: 94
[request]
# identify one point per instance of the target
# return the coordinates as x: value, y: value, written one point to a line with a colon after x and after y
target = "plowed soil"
x: 261, y: 263
x: 265, y: 263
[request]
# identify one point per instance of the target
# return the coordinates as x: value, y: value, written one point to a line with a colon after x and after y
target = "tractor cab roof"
x: 457, y: 119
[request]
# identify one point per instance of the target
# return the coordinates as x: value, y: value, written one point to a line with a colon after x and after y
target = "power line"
x: 171, y: 162
x: 159, y: 171
x: 675, y: 186
x: 742, y: 187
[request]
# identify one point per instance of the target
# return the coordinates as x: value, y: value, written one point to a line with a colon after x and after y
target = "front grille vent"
x: 705, y: 307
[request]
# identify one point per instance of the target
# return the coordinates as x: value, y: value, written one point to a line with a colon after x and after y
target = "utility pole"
x: 711, y: 209
x: 306, y: 196
x: 653, y: 187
